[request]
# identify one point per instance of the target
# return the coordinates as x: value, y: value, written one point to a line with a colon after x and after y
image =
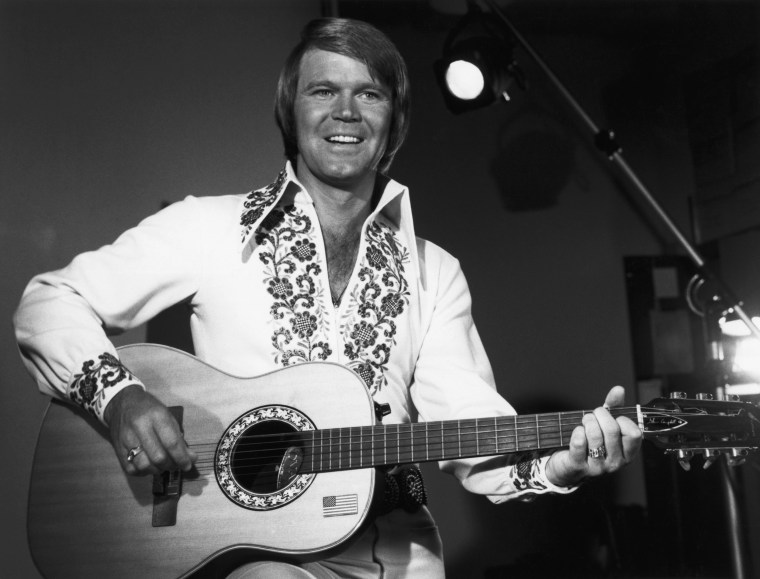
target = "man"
x: 322, y: 264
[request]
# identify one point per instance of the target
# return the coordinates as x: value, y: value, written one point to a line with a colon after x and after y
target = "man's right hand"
x: 142, y: 424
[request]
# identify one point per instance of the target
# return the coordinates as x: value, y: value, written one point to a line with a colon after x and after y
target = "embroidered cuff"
x: 529, y: 476
x: 99, y: 382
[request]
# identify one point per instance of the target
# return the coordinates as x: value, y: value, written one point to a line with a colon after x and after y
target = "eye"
x: 373, y: 96
x: 322, y: 92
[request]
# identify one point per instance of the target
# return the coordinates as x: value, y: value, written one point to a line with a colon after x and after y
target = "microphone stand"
x: 605, y: 142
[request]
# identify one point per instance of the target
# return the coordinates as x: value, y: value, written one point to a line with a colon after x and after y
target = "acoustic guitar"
x: 288, y: 466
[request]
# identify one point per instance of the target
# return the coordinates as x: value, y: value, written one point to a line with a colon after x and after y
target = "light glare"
x: 747, y: 357
x: 737, y: 328
x: 464, y: 79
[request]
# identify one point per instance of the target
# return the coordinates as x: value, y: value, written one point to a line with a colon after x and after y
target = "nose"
x: 346, y: 109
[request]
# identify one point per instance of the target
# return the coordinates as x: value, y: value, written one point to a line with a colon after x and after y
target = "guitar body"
x: 89, y: 519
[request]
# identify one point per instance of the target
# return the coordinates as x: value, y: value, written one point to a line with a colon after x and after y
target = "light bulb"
x: 465, y: 80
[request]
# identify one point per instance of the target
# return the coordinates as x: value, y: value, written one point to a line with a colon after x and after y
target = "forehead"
x: 323, y: 66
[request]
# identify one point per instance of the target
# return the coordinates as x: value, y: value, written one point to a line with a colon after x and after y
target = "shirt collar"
x: 393, y: 207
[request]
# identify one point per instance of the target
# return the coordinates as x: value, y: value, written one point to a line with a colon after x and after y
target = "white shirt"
x: 252, y: 268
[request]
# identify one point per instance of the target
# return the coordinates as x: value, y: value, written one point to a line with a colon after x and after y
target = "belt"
x: 404, y: 490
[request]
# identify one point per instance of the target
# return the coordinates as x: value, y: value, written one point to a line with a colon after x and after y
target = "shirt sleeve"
x: 65, y: 317
x: 453, y: 380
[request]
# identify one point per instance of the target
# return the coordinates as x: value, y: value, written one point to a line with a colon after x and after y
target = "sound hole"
x: 258, y: 454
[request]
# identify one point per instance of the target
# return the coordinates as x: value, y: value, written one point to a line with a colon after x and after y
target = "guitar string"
x: 336, y: 446
x: 466, y: 425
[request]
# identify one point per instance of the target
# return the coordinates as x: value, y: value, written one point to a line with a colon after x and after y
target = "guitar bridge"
x: 167, y: 488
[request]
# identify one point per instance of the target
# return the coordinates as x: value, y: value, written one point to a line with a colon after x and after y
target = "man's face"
x: 342, y: 119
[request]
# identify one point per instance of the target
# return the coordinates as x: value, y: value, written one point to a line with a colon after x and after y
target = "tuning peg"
x: 704, y: 396
x: 732, y: 398
x: 737, y: 456
x: 710, y: 457
x: 683, y: 459
x: 678, y: 394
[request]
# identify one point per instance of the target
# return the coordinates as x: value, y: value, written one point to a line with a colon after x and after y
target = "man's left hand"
x: 602, y: 445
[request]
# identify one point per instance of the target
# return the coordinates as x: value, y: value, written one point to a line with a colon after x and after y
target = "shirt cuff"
x: 98, y: 383
x: 529, y: 477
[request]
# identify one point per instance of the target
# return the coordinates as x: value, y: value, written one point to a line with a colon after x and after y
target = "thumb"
x: 615, y: 397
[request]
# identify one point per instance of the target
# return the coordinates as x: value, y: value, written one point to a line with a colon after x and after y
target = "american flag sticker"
x: 338, y: 506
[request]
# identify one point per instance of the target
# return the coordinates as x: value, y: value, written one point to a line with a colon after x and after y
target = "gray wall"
x: 111, y: 108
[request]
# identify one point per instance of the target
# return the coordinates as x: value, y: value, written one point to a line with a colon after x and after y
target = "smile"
x: 344, y: 139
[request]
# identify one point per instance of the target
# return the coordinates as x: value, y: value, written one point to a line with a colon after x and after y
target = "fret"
x: 405, y: 443
x: 330, y: 437
x: 412, y: 442
x: 459, y: 437
x: 538, y: 433
x: 350, y: 446
x: 383, y: 432
x: 468, y: 434
x: 427, y: 448
x: 527, y: 432
x: 496, y: 434
x: 477, y: 438
x: 450, y: 440
x: 487, y: 437
x: 517, y: 437
x: 443, y: 442
x: 368, y: 448
x: 340, y: 447
x: 559, y: 424
x: 392, y: 441
x: 398, y: 444
x: 506, y: 430
x: 321, y: 449
x: 313, y: 449
x: 434, y: 440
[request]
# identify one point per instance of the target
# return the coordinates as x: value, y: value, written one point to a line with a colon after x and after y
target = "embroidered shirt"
x: 252, y: 268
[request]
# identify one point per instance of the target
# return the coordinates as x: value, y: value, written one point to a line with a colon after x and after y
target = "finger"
x: 631, y: 437
x: 609, y: 427
x: 141, y: 464
x: 178, y: 455
x: 593, y: 430
x: 615, y: 397
x: 578, y: 446
x: 133, y: 457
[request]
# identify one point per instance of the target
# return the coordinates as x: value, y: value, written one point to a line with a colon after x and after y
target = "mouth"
x: 344, y: 139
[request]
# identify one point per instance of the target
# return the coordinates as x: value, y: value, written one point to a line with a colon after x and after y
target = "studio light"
x: 477, y: 67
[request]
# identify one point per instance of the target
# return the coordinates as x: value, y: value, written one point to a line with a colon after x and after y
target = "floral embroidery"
x: 88, y: 389
x: 286, y: 245
x: 526, y: 475
x: 383, y: 295
x: 258, y: 201
x: 292, y: 279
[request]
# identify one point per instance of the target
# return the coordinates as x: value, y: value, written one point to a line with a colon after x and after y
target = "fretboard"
x: 380, y: 445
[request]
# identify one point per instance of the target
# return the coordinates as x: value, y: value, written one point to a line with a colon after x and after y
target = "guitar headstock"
x: 686, y: 427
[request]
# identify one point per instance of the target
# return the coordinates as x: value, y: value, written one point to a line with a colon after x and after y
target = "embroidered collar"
x: 393, y: 207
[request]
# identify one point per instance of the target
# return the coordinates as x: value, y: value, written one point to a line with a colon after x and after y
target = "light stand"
x: 605, y: 142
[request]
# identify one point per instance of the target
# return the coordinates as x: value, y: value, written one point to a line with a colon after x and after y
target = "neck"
x: 339, y: 207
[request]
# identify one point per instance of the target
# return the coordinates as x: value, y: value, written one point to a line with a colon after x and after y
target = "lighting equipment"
x: 477, y: 67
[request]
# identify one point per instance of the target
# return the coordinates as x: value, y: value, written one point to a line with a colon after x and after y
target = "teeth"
x: 343, y: 139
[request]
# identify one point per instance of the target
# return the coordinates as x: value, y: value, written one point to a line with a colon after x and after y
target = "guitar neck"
x: 382, y: 445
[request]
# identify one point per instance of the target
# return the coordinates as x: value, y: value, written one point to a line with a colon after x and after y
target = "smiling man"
x: 320, y: 265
